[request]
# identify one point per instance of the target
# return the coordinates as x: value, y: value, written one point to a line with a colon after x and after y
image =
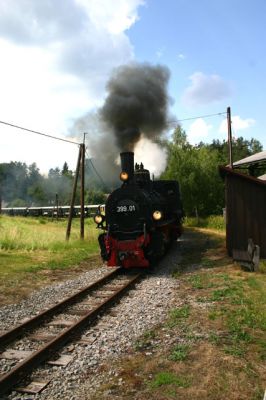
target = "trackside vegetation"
x: 212, y: 343
x: 33, y: 251
x: 216, y: 222
x: 196, y: 169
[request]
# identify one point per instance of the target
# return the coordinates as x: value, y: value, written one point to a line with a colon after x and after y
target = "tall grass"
x: 31, y: 244
x: 216, y: 222
x: 33, y: 234
x: 34, y: 249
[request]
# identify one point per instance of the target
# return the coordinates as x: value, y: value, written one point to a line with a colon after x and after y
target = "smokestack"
x: 127, y: 163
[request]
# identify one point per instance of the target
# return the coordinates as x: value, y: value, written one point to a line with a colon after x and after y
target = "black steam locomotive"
x: 141, y: 218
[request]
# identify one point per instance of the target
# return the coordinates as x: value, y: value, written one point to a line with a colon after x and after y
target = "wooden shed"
x: 245, y: 207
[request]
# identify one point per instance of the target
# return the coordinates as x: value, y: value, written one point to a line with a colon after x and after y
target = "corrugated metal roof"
x: 255, y: 158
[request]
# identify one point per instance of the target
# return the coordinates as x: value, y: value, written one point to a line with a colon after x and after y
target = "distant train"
x: 142, y: 217
x: 61, y: 212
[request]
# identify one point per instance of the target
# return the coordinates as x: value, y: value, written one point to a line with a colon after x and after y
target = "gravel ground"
x: 142, y: 309
x: 12, y: 315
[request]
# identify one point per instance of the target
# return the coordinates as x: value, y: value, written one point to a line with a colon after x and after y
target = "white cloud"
x: 181, y: 56
x: 238, y: 124
x: 198, y: 131
x: 86, y: 37
x: 31, y: 21
x: 115, y: 19
x: 55, y: 59
x: 40, y: 22
x: 205, y: 89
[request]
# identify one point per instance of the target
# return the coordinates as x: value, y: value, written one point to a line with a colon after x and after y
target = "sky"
x: 56, y: 58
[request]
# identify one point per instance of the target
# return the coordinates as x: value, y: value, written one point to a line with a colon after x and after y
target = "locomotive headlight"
x: 157, y: 215
x: 98, y: 219
x: 124, y: 176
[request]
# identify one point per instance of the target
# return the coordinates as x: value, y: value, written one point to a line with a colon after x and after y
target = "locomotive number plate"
x: 121, y: 209
x: 126, y: 206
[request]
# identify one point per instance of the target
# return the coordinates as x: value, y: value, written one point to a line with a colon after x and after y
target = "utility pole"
x: 229, y: 126
x: 71, y: 208
x: 82, y: 189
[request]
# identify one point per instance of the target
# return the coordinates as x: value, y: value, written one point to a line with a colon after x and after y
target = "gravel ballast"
x: 143, y: 308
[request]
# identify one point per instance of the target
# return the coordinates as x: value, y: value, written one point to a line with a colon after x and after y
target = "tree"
x: 60, y: 183
x: 36, y: 194
x: 13, y: 181
x: 66, y: 171
x: 196, y: 169
x: 95, y: 197
x: 54, y: 173
x: 241, y: 148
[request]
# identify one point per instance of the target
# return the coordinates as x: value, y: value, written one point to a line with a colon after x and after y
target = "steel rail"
x: 20, y: 330
x: 10, y: 379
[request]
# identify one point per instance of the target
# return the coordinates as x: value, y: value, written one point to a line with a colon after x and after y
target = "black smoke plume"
x: 136, y: 104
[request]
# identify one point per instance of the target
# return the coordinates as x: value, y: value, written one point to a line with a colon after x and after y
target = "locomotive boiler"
x: 142, y: 217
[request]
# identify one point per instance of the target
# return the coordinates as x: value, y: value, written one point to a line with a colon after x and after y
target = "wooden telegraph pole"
x: 79, y: 169
x: 229, y: 125
x: 72, y: 203
x: 82, y: 190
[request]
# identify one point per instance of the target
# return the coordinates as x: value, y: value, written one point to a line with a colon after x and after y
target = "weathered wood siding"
x: 245, y: 211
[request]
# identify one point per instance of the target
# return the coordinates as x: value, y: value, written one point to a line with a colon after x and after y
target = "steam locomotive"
x: 142, y: 217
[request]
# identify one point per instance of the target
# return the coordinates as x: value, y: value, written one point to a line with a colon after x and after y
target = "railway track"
x: 44, y: 334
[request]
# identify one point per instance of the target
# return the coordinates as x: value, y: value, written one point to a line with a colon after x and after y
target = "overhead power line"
x: 70, y: 141
x: 38, y: 133
x: 200, y: 116
x: 95, y: 170
x: 97, y: 173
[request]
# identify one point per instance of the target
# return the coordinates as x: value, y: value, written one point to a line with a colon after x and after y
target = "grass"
x: 215, y: 222
x: 168, y: 378
x: 30, y: 234
x: 31, y: 249
x: 180, y: 352
x: 212, y: 344
x: 177, y: 315
x: 242, y: 308
x: 199, y: 281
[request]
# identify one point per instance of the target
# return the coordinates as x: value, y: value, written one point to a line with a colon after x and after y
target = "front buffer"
x: 124, y: 253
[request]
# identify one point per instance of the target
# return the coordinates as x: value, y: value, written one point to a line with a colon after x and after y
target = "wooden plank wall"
x: 245, y: 212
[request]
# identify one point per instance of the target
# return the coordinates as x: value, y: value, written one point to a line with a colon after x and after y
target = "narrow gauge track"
x: 79, y: 311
